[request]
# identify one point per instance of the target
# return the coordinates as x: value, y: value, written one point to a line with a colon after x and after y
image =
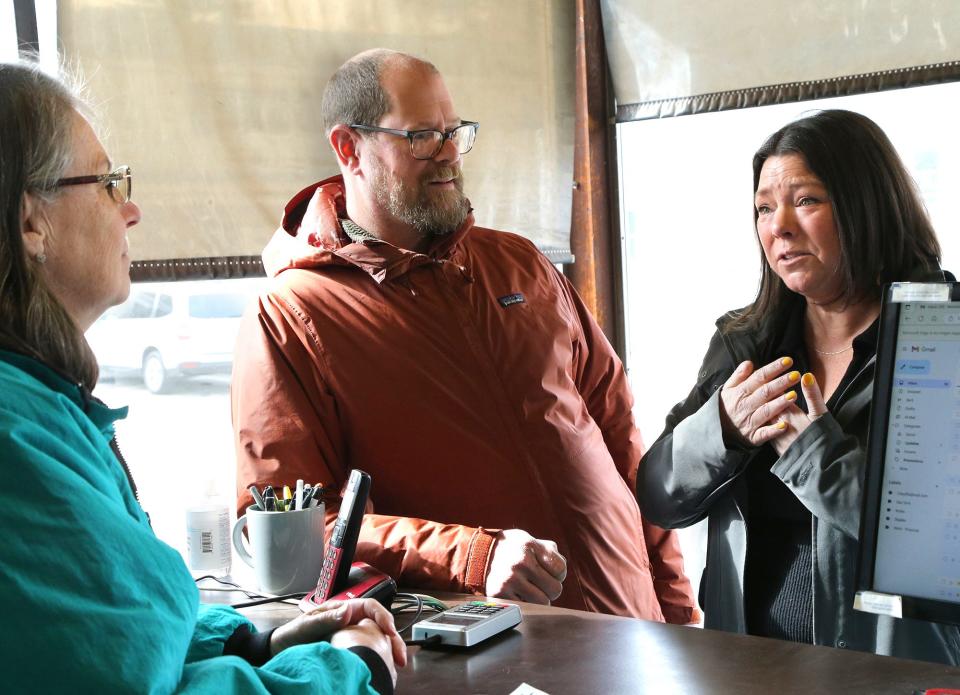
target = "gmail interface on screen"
x: 918, y: 537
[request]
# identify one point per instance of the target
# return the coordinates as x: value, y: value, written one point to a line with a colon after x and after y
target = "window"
x: 142, y: 306
x: 172, y: 367
x: 138, y: 306
x: 217, y: 306
x: 164, y: 305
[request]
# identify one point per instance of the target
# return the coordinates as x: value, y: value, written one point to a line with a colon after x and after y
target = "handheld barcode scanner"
x: 340, y: 577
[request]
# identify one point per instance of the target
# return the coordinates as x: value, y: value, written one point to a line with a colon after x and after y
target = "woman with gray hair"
x: 92, y: 600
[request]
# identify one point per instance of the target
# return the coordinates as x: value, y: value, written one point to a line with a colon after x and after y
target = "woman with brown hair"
x: 769, y: 445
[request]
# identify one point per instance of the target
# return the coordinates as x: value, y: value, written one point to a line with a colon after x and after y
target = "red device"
x: 340, y: 577
x: 363, y: 581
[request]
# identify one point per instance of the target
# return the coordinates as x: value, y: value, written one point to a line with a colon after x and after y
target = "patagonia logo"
x: 511, y: 299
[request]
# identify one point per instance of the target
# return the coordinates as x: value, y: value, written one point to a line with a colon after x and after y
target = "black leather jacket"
x: 689, y: 474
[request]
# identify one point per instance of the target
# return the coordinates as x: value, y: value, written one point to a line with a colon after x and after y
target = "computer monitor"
x: 909, y: 564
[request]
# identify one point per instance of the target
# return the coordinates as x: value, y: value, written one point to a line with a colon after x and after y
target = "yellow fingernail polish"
x: 808, y: 379
x: 790, y: 395
x: 793, y: 376
x: 781, y: 425
x: 787, y: 361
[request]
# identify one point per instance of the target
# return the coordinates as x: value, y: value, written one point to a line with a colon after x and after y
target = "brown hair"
x: 355, y: 95
x: 885, y: 233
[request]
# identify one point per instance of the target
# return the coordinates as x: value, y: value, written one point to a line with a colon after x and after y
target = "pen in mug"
x: 257, y: 497
x: 306, y: 496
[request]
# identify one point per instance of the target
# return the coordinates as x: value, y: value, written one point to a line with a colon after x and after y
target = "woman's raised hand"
x: 752, y: 400
x: 759, y: 406
x: 793, y: 420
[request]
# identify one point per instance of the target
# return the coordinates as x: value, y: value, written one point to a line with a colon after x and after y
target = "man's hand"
x: 329, y: 619
x: 525, y: 568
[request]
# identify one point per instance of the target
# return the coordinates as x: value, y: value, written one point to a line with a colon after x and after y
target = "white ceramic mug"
x: 286, y: 548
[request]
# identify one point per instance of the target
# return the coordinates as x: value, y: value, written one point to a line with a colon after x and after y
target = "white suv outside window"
x: 169, y: 330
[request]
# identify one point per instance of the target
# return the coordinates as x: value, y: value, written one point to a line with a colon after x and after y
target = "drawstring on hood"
x: 326, y: 244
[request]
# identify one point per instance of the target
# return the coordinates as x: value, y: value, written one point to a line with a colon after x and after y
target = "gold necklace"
x: 825, y: 353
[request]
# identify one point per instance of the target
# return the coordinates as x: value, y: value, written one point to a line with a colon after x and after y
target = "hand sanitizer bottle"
x: 208, y: 534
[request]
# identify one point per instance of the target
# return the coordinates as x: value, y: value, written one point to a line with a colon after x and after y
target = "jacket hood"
x: 320, y: 240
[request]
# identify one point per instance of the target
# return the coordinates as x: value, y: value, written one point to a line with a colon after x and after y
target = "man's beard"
x: 430, y: 212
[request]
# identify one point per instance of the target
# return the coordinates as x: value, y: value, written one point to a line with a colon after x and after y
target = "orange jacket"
x: 474, y: 387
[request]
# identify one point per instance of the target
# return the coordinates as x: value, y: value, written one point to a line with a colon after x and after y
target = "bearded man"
x: 451, y: 362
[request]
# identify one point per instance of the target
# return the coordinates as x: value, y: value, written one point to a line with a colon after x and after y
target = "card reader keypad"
x: 479, y: 608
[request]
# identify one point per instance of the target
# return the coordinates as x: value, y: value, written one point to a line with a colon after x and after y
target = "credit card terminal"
x: 470, y: 623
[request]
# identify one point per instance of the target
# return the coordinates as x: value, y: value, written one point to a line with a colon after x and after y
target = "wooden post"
x: 594, y: 234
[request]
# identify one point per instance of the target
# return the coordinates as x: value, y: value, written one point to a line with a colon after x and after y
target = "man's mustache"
x: 443, y: 174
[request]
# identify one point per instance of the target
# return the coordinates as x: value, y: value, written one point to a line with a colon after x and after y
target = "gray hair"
x: 36, y: 129
x: 355, y: 93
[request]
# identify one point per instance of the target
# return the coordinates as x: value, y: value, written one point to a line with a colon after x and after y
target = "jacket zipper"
x: 813, y: 581
x: 854, y: 379
x: 87, y: 397
x: 115, y: 448
x: 813, y: 522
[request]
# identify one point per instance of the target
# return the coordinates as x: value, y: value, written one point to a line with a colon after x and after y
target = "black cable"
x: 257, y: 598
x: 247, y: 592
x: 431, y: 640
x: 429, y: 603
x: 408, y: 604
x: 220, y: 580
x: 268, y: 599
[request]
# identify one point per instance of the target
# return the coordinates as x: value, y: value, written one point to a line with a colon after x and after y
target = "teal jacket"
x: 90, y: 599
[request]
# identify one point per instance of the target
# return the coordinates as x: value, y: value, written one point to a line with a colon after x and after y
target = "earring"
x: 41, y: 258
